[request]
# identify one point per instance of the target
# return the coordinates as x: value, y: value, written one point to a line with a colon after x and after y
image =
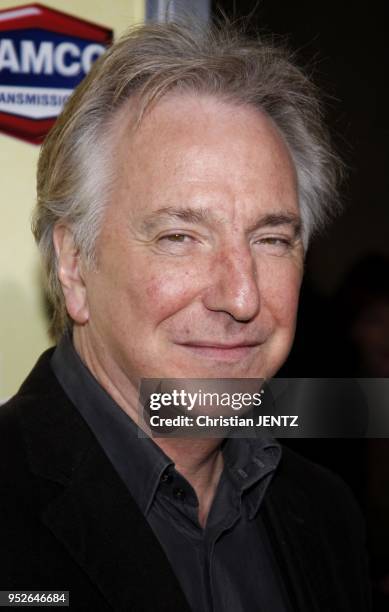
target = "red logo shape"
x: 44, y: 54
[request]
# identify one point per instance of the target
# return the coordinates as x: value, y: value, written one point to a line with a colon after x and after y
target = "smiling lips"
x: 222, y: 352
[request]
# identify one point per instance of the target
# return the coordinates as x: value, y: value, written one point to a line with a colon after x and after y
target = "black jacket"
x: 67, y: 521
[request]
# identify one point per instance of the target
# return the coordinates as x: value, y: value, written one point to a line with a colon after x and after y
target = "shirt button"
x: 242, y: 473
x: 179, y: 493
x: 166, y: 478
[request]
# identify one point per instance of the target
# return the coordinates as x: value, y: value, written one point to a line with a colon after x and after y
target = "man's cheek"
x: 282, y: 302
x: 172, y: 286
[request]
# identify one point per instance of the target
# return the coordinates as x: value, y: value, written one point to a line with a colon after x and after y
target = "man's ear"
x: 70, y: 274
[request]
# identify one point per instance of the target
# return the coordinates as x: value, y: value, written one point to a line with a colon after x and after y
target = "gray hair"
x: 75, y: 170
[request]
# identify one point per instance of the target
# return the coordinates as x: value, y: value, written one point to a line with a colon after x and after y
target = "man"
x: 176, y: 196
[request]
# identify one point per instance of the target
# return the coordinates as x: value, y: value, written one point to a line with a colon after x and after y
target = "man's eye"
x: 275, y: 244
x: 175, y: 237
x: 276, y: 241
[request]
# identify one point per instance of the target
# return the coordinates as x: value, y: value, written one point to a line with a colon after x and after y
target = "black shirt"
x: 226, y: 567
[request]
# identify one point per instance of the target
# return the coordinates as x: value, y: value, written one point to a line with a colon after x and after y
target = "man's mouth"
x: 221, y: 351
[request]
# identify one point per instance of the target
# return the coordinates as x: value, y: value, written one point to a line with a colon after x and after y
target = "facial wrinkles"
x: 164, y: 299
x: 232, y: 268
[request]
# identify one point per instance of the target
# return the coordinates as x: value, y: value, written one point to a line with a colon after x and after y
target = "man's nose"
x: 233, y: 285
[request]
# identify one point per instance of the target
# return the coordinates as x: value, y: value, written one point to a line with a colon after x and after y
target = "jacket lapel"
x: 296, y: 543
x: 93, y: 515
x: 102, y: 528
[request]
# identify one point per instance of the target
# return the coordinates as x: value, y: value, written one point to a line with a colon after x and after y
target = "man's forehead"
x: 189, y: 116
x: 224, y: 172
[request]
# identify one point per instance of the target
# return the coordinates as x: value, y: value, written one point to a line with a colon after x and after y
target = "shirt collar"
x: 250, y: 462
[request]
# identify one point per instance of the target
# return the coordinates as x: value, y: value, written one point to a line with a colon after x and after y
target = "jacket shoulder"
x: 39, y: 386
x: 37, y: 391
x: 40, y: 429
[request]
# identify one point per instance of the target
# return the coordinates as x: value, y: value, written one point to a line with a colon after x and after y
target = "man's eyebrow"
x: 277, y: 219
x: 203, y: 215
x: 190, y: 215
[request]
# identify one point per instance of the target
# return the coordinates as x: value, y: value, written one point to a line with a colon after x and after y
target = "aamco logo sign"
x: 44, y: 54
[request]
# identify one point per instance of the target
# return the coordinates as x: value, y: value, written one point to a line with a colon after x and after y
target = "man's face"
x: 199, y: 260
